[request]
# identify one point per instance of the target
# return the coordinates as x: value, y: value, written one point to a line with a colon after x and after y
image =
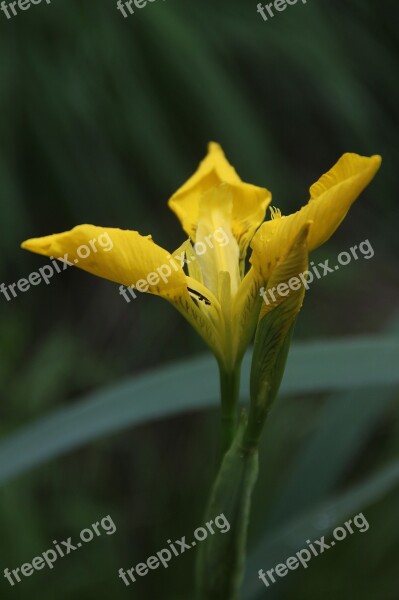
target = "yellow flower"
x: 212, y: 290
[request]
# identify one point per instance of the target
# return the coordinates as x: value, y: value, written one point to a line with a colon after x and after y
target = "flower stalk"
x: 221, y: 559
x: 229, y: 396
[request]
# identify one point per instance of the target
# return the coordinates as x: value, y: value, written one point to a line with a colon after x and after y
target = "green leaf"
x: 318, y: 467
x: 193, y: 385
x: 285, y: 541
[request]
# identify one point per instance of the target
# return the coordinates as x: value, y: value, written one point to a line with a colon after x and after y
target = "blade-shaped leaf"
x: 193, y: 385
x: 319, y: 465
x: 284, y: 542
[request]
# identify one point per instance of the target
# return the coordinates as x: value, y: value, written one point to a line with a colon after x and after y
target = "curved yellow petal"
x: 330, y: 199
x: 128, y: 258
x: 249, y: 201
x: 120, y: 255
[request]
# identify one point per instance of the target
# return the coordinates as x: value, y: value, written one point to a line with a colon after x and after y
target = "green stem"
x: 221, y: 559
x: 229, y: 393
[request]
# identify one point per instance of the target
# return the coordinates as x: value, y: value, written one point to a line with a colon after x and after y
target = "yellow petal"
x: 214, y: 233
x: 119, y: 255
x: 330, y: 199
x: 205, y: 316
x: 128, y: 258
x: 249, y: 201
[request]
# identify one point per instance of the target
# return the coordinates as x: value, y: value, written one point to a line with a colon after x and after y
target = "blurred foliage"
x: 102, y: 118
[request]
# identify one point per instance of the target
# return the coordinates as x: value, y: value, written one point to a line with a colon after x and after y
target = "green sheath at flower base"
x: 274, y: 331
x: 221, y: 558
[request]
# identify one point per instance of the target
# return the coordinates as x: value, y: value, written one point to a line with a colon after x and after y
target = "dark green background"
x: 102, y: 118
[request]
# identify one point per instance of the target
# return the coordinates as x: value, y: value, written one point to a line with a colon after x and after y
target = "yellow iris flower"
x: 213, y: 292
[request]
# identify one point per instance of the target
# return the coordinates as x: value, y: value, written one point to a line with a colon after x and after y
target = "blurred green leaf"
x: 340, y: 430
x: 283, y: 542
x: 193, y: 385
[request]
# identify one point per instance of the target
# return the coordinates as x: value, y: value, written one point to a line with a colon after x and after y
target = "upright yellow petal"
x: 120, y: 255
x: 249, y: 201
x: 221, y: 253
x: 330, y: 199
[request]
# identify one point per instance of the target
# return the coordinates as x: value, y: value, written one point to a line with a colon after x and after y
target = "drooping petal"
x: 249, y: 201
x: 128, y: 258
x: 120, y: 255
x: 330, y: 199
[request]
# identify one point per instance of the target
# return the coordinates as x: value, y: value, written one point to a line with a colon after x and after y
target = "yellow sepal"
x: 119, y: 255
